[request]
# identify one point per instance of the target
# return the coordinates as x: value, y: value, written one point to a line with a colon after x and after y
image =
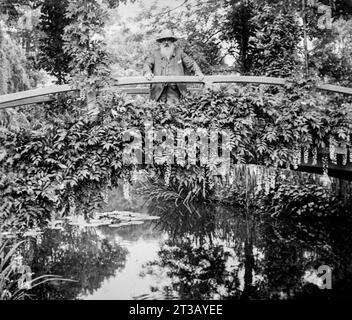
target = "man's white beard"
x: 167, y: 51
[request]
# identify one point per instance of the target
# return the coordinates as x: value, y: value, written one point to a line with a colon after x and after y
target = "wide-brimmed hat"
x: 166, y: 34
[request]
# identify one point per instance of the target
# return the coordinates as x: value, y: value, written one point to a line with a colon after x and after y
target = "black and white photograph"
x: 176, y: 151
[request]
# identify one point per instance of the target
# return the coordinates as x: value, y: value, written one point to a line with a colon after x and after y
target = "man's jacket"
x: 176, y: 66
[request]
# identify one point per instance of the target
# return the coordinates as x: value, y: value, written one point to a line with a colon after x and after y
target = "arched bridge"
x: 130, y: 85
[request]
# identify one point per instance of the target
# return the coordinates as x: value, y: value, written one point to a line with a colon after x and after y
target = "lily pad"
x: 123, y: 224
x: 126, y: 216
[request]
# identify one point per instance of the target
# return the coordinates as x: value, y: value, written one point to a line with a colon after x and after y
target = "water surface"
x: 216, y: 253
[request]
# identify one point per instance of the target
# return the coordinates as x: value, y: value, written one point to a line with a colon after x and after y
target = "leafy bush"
x: 304, y: 201
x: 12, y: 273
x: 16, y: 277
x: 66, y: 161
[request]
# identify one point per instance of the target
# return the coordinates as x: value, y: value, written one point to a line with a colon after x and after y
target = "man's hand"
x: 200, y: 76
x: 149, y: 76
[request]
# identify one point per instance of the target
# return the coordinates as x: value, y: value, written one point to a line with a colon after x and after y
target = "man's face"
x: 167, y: 47
x: 166, y: 43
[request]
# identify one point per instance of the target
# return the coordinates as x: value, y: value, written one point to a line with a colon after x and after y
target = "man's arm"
x: 190, y: 64
x: 149, y: 67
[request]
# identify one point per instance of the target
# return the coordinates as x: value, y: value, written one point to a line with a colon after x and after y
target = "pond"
x: 212, y: 252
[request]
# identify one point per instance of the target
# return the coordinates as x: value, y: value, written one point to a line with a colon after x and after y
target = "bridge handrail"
x: 193, y: 79
x: 33, y: 96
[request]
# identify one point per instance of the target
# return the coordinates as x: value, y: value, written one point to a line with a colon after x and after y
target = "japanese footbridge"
x: 129, y: 85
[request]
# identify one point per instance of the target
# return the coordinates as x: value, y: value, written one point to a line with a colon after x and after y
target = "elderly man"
x: 169, y: 60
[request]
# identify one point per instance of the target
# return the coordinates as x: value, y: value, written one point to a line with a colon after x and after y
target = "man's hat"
x: 166, y: 34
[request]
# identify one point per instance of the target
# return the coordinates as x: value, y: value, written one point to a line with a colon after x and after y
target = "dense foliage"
x: 14, y: 73
x: 65, y: 158
x: 70, y: 161
x: 52, y: 57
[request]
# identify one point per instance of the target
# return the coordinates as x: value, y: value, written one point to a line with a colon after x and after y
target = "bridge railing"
x: 47, y: 94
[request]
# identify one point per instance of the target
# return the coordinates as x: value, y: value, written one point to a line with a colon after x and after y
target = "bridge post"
x: 208, y: 84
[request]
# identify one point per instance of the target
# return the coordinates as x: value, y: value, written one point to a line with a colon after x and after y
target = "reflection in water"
x: 224, y: 253
x: 105, y: 262
x: 202, y: 252
x: 80, y: 255
x: 139, y: 252
x: 142, y: 243
x: 203, y: 256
